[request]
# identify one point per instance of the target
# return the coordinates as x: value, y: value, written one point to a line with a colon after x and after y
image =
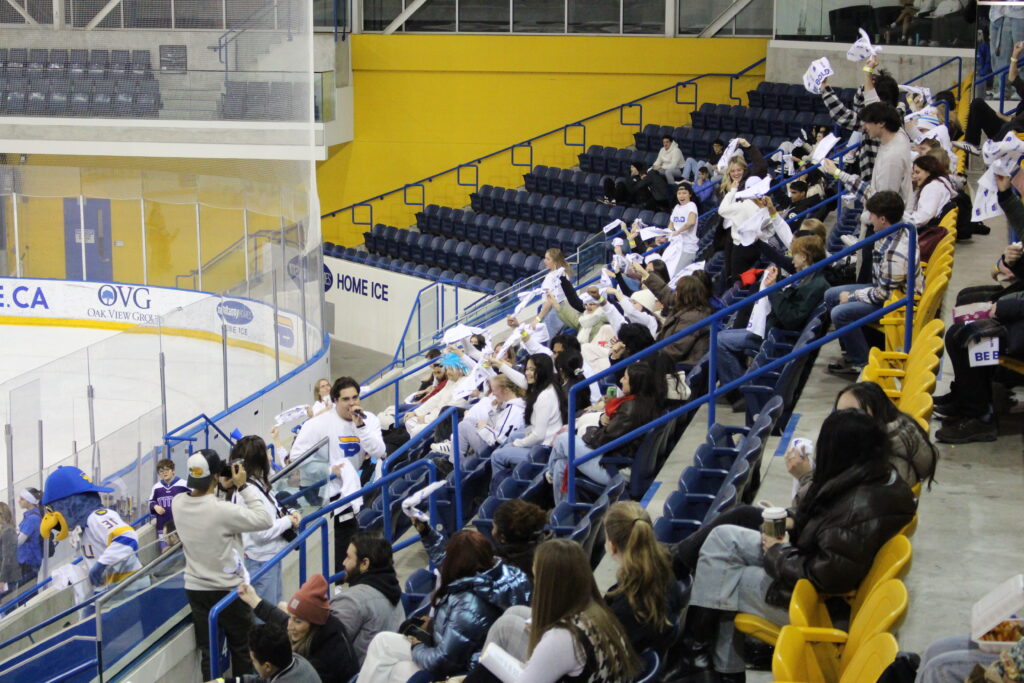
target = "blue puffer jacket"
x: 466, y: 612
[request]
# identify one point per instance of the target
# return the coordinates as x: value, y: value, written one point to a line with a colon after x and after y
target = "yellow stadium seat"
x: 794, y: 660
x: 805, y: 609
x: 910, y: 528
x: 896, y: 359
x: 925, y: 311
x: 918, y: 406
x: 882, y: 612
x: 892, y: 562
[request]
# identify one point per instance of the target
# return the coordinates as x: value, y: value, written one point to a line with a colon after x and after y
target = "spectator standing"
x: 355, y: 440
x: 10, y: 572
x: 211, y: 531
x: 30, y: 543
x: 168, y: 486
x: 370, y: 600
x: 321, y: 398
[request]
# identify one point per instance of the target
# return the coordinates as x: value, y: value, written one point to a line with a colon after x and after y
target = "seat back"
x: 891, y: 562
x: 872, y: 659
x: 881, y: 612
x: 794, y: 660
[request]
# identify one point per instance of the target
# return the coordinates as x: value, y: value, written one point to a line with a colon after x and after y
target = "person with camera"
x: 355, y: 439
x: 261, y: 546
x: 211, y: 531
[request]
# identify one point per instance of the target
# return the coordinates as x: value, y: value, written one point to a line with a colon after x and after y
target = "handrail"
x: 201, y: 417
x: 535, y: 138
x: 959, y: 72
x: 1003, y: 73
x: 226, y: 252
x: 713, y: 322
x: 235, y: 32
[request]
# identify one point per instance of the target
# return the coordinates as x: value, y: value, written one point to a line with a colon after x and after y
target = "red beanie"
x: 310, y: 602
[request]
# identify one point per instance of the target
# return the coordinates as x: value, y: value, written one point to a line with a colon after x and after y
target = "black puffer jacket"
x: 837, y: 535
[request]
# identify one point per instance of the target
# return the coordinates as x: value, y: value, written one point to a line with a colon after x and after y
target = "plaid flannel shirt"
x: 889, y: 270
x: 849, y: 119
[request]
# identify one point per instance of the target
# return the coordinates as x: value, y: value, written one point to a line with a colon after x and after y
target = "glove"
x: 96, y: 574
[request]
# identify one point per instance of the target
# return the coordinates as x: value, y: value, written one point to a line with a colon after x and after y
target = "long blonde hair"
x: 316, y: 389
x: 645, y: 572
x: 723, y: 187
x: 559, y: 259
x: 508, y: 385
x: 563, y: 589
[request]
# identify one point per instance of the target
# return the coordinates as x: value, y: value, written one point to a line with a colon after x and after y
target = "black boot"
x: 690, y: 659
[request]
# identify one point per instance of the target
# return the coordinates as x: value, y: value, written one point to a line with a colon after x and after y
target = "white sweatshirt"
x: 502, y: 420
x: 345, y: 439
x: 545, y: 421
x: 687, y: 236
x: 263, y: 545
x: 669, y: 160
x: 927, y: 204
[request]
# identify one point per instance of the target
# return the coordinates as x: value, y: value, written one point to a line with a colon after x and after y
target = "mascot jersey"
x: 107, y: 539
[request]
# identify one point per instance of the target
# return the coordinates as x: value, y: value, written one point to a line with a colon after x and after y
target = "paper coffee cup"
x: 774, y: 522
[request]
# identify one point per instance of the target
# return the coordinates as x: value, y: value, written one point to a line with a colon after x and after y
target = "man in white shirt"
x: 670, y: 160
x: 354, y: 440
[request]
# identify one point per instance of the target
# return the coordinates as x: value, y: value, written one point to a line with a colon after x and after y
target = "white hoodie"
x: 669, y: 160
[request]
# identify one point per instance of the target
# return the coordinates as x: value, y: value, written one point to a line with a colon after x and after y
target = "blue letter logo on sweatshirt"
x: 349, y: 445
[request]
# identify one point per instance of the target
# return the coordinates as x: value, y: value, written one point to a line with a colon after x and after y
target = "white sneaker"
x: 443, y: 447
x: 849, y: 240
x: 967, y: 147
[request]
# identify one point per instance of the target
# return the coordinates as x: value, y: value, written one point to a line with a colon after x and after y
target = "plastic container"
x: 1003, y: 603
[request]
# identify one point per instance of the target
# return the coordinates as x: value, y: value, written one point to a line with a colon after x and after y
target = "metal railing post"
x: 9, y: 443
x: 163, y: 392
x: 277, y: 342
x: 908, y: 322
x: 713, y: 369
x: 457, y: 461
x: 224, y: 360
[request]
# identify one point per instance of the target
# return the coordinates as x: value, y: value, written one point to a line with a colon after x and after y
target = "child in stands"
x: 164, y: 490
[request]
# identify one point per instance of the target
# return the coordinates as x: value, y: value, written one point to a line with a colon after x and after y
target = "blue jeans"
x: 854, y: 343
x: 558, y: 465
x: 506, y: 458
x: 692, y: 165
x: 268, y: 586
x: 1003, y: 33
x: 735, y: 346
x: 553, y: 323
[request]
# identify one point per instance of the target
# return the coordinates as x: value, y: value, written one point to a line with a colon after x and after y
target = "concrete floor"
x: 968, y: 537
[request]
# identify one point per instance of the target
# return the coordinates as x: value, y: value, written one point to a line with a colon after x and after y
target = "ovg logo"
x: 328, y: 278
x: 107, y: 295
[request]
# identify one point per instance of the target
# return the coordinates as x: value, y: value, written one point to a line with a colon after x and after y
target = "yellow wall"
x: 424, y: 103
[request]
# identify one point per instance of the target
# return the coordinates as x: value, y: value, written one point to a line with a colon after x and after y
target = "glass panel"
x: 198, y: 14
x: 644, y: 16
x: 435, y: 15
x: 46, y: 230
x: 593, y: 16
x: 254, y: 13
x: 538, y: 16
x: 81, y: 12
x: 41, y: 10
x: 483, y: 16
x: 8, y: 256
x: 147, y: 13
x: 377, y: 14
x: 25, y: 404
x: 695, y: 16
x: 171, y: 255
x: 755, y: 20
x: 295, y: 487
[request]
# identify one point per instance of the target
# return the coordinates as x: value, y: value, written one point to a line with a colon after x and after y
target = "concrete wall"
x: 788, y: 60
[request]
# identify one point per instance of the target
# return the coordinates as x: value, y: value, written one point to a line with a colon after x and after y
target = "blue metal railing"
x: 714, y: 321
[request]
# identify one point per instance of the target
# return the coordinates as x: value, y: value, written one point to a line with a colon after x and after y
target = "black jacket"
x: 642, y: 635
x: 625, y: 420
x: 330, y: 652
x: 836, y: 535
x: 657, y: 185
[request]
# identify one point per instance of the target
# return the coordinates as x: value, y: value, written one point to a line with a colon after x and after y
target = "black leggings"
x: 686, y: 552
x: 983, y: 119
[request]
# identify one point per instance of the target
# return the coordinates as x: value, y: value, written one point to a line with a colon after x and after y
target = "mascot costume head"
x: 69, y: 497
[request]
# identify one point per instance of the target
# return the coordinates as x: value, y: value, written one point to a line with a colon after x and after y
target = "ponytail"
x: 645, y: 572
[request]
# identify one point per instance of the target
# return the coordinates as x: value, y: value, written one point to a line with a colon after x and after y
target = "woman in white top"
x: 683, y: 242
x: 321, y: 398
x: 261, y: 546
x: 572, y: 633
x: 556, y: 266
x: 544, y: 415
x: 491, y: 421
x: 932, y: 191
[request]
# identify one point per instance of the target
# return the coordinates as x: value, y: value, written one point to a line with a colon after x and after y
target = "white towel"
x: 862, y: 48
x: 816, y: 73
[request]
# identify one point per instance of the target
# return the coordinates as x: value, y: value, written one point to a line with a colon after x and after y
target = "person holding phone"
x: 211, y: 531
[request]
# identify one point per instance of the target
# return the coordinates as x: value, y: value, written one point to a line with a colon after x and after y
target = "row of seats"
x: 766, y: 131
x: 724, y: 467
x: 549, y: 209
x: 793, y: 96
x: 104, y: 97
x: 566, y: 182
x: 98, y: 63
x: 519, y: 235
x: 455, y: 255
x: 421, y: 270
x: 264, y: 100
